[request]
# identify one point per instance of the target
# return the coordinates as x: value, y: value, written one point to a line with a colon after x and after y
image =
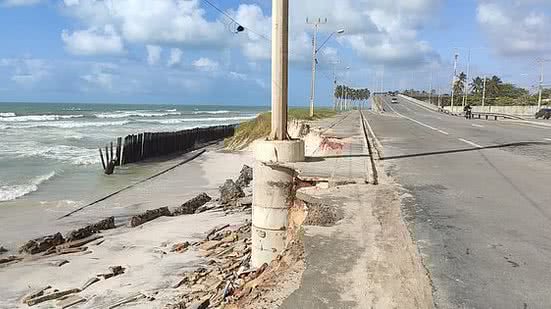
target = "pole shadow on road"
x: 424, y: 154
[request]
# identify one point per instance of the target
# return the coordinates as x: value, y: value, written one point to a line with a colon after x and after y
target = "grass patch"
x: 260, y: 127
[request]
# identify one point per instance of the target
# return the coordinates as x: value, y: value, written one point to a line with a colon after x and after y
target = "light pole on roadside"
x: 484, y: 91
x: 540, y: 92
x: 315, y: 51
x: 455, y: 58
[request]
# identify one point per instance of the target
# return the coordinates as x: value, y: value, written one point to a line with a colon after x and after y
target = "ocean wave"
x: 122, y: 114
x: 185, y: 120
x: 71, y: 154
x: 7, y: 114
x: 32, y: 118
x: 66, y: 125
x: 212, y: 112
x: 12, y: 192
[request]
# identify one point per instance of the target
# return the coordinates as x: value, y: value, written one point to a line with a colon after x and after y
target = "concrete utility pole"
x: 466, y: 90
x: 453, y: 79
x: 430, y: 88
x: 484, y: 92
x: 316, y: 24
x: 542, y: 61
x: 273, y: 184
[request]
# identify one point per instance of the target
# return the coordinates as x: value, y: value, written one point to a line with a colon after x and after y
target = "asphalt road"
x: 477, y: 199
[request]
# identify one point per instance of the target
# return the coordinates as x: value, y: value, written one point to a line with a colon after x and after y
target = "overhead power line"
x: 236, y: 22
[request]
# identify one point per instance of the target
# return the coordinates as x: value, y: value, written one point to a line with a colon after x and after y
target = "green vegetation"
x: 260, y: 127
x: 497, y: 93
x: 344, y: 93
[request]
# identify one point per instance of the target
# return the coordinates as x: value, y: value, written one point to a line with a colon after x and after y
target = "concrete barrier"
x: 515, y: 110
x: 419, y: 102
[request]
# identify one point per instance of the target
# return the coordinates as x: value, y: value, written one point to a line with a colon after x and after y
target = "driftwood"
x: 89, y: 282
x: 70, y: 301
x: 149, y: 215
x: 126, y: 300
x: 55, y: 295
x: 216, y: 230
x: 71, y: 250
x: 35, y: 293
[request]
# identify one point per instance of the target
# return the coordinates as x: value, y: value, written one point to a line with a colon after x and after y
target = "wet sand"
x: 142, y: 250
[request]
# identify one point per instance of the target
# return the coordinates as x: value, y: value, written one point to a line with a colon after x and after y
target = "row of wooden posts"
x: 143, y: 146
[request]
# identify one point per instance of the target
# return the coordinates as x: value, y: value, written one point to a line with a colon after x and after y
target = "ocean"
x: 49, y: 152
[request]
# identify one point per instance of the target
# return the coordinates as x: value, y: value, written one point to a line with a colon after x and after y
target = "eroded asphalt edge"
x: 368, y: 259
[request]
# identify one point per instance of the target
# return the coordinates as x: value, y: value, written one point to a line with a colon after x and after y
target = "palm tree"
x: 477, y: 85
x: 493, y: 86
x: 459, y: 86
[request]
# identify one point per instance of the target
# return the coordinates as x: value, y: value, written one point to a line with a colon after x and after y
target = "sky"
x: 188, y: 52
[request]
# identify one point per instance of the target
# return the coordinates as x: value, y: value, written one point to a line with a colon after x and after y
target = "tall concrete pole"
x: 484, y: 92
x: 466, y: 90
x: 313, y: 83
x: 541, y: 85
x: 453, y: 80
x: 430, y: 88
x: 273, y: 184
x: 280, y: 69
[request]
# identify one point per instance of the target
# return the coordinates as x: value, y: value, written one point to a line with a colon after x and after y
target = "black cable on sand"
x: 135, y: 184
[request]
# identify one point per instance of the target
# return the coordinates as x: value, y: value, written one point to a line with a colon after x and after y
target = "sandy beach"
x: 143, y: 251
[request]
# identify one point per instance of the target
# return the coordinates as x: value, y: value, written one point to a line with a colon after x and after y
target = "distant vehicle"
x: 544, y: 113
x: 394, y: 100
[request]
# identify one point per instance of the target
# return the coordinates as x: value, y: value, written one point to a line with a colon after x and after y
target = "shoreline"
x: 30, y: 218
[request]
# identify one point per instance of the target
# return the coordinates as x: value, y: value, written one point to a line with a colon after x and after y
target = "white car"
x: 394, y: 100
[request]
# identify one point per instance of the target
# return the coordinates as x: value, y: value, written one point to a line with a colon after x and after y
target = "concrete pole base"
x: 272, y: 196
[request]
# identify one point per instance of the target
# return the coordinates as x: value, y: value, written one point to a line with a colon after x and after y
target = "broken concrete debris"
x: 192, y: 205
x: 42, y: 244
x: 224, y: 276
x: 114, y: 271
x: 230, y: 192
x: 87, y: 231
x: 245, y: 176
x: 3, y: 250
x: 149, y: 215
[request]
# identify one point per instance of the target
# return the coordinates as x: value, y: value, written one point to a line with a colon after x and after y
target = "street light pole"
x: 453, y: 79
x: 484, y: 92
x: 541, y: 84
x: 466, y: 90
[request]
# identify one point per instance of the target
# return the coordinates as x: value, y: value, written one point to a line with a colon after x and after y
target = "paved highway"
x: 477, y: 199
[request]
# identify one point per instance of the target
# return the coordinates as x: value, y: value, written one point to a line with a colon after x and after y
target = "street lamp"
x: 315, y: 51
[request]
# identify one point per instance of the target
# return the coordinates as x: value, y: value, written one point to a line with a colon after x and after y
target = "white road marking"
x: 419, y: 122
x: 471, y: 143
x: 547, y: 139
x: 477, y: 125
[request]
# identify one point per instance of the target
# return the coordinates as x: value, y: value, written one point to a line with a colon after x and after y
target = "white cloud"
x: 175, y: 57
x: 101, y: 76
x: 153, y: 54
x: 12, y: 3
x: 26, y: 71
x: 205, y: 64
x: 93, y: 41
x: 515, y: 27
x: 152, y: 22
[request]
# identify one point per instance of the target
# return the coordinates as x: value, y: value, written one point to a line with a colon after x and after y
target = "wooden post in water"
x: 119, y: 141
x: 102, y: 160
